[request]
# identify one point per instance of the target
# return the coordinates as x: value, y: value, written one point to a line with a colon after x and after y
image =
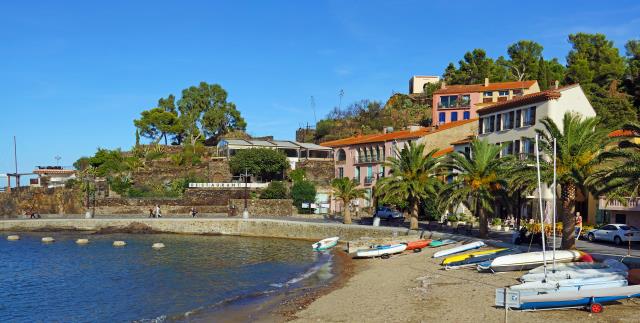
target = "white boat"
x: 578, y: 270
x: 381, y: 251
x: 570, y: 266
x: 582, y: 298
x: 527, y: 260
x: 552, y: 286
x: 325, y: 244
x: 464, y: 247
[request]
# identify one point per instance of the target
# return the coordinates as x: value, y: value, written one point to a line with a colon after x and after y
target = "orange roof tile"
x: 403, y: 134
x: 452, y: 89
x: 621, y: 133
x: 443, y: 152
x: 527, y: 99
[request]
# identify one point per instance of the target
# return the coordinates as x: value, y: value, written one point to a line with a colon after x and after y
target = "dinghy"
x: 464, y: 247
x: 458, y: 258
x: 591, y: 298
x: 527, y: 260
x: 325, y: 244
x: 473, y: 261
x: 552, y: 286
x: 440, y: 243
x: 381, y: 251
x: 418, y: 244
x: 576, y: 272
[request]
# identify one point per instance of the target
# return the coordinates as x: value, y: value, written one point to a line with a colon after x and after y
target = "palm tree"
x: 413, y: 177
x: 579, y: 145
x: 346, y: 190
x: 479, y: 179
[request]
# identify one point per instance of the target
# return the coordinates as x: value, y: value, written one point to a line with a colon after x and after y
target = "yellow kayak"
x: 462, y: 257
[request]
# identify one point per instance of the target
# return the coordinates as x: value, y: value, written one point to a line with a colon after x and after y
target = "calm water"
x: 65, y: 282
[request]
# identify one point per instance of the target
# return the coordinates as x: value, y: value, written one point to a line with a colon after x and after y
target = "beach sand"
x: 414, y: 288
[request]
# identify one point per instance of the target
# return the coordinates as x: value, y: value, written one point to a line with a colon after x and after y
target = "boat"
x: 592, y: 298
x: 578, y: 270
x: 552, y: 286
x: 458, y: 249
x: 634, y: 276
x: 417, y: 245
x: 458, y: 258
x: 325, y: 244
x: 440, y: 243
x: 527, y: 260
x: 475, y: 260
x: 381, y: 251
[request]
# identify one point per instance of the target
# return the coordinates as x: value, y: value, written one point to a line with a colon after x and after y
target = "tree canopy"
x: 264, y: 162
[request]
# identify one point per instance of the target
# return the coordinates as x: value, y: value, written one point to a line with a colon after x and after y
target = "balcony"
x: 368, y: 180
x: 632, y: 204
x: 461, y: 105
x: 368, y: 160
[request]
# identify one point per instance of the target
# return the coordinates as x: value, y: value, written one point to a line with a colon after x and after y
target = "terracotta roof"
x: 54, y: 171
x: 443, y: 152
x: 621, y: 133
x: 451, y: 89
x: 462, y: 141
x: 403, y: 134
x: 527, y: 99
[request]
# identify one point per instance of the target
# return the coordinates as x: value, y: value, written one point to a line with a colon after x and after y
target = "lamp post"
x: 245, y: 212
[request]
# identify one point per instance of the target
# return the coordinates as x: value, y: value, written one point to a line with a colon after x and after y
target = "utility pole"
x: 15, y: 161
x: 57, y: 158
x: 245, y: 213
x: 340, y: 94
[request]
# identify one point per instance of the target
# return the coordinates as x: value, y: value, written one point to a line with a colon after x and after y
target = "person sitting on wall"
x: 151, y: 214
x: 193, y: 212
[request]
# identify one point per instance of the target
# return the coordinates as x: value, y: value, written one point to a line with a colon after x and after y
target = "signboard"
x: 228, y: 185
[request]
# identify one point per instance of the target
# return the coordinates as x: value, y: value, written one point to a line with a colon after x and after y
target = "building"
x: 52, y: 176
x: 461, y: 102
x: 295, y: 151
x: 417, y: 83
x: 513, y: 124
x: 362, y: 157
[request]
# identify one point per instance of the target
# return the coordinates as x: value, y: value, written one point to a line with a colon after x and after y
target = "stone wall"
x: 262, y: 207
x: 41, y: 200
x: 320, y: 172
x: 165, y: 170
x: 443, y: 138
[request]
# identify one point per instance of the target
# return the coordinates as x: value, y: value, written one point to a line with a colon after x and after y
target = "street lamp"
x: 245, y: 212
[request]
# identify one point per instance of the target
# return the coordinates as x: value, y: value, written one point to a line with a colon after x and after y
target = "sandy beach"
x: 414, y: 288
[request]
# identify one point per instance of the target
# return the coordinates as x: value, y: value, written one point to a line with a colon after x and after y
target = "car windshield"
x: 627, y: 228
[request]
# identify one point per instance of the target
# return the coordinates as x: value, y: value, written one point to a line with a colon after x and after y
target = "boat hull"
x: 458, y: 249
x: 381, y: 251
x: 325, y: 244
x: 419, y: 244
x: 526, y: 261
x: 515, y: 299
x: 459, y: 258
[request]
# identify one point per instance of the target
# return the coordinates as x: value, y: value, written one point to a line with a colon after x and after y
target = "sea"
x: 194, y: 278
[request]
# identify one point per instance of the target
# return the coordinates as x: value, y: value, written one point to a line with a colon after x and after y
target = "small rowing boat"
x: 381, y: 251
x: 458, y: 249
x: 440, y: 243
x: 418, y: 244
x: 465, y: 256
x: 577, y: 270
x: 591, y: 298
x: 475, y: 260
x: 527, y: 260
x: 325, y: 244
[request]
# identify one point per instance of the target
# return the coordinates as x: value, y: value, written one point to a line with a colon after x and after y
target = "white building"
x: 52, y: 176
x: 295, y: 151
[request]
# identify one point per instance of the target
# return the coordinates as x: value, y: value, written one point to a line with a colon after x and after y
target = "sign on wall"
x: 228, y: 185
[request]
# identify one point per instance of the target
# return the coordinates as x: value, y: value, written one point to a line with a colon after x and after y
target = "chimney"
x: 557, y: 84
x: 443, y: 85
x: 486, y: 81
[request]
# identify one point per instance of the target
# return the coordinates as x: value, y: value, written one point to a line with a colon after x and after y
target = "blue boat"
x: 589, y: 298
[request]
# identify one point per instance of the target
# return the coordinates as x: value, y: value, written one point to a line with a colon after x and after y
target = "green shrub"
x: 303, y: 192
x: 298, y: 175
x: 119, y: 184
x: 496, y: 221
x: 71, y: 183
x: 264, y: 162
x: 275, y: 190
x: 153, y: 155
x: 452, y: 218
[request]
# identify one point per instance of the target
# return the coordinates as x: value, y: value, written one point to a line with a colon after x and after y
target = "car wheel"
x: 617, y: 240
x: 591, y: 237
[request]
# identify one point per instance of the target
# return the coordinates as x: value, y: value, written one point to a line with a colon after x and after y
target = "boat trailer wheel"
x: 416, y: 250
x: 386, y: 256
x: 596, y: 308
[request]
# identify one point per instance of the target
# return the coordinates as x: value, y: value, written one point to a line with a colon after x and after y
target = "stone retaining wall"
x: 41, y: 200
x: 261, y: 207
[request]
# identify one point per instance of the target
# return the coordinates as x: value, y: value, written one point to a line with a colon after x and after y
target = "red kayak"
x: 418, y: 244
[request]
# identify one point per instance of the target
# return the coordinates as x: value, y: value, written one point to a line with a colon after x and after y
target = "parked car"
x: 616, y: 233
x: 385, y: 212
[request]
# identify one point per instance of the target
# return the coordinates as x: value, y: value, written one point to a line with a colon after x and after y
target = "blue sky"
x: 74, y: 74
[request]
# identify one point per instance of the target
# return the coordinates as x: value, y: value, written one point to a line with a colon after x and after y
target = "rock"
x: 119, y: 243
x: 158, y: 245
x: 135, y: 227
x: 82, y: 241
x: 13, y: 237
x: 48, y: 239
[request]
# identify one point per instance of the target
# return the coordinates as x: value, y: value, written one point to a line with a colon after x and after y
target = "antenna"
x: 313, y: 107
x: 15, y: 161
x: 340, y: 94
x: 57, y: 158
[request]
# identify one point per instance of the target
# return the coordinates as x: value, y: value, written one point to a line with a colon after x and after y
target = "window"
x: 508, y: 120
x: 357, y: 176
x: 518, y: 118
x: 503, y: 93
x: 518, y: 92
x: 492, y: 123
x: 621, y: 218
x: 441, y: 117
x: 487, y: 94
x: 465, y: 100
x: 454, y: 116
x: 480, y: 125
x: 528, y: 146
x: 530, y: 117
x: 499, y: 122
x: 467, y: 151
x: 516, y: 147
x: 381, y: 174
x: 448, y: 101
x: 340, y: 172
x: 466, y: 115
x: 507, y: 149
x: 341, y: 155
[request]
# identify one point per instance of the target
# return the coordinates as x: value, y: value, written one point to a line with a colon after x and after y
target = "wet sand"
x: 414, y: 288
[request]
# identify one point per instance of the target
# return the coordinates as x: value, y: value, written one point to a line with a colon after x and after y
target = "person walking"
x: 193, y: 212
x: 151, y: 214
x: 578, y: 225
x: 158, y: 214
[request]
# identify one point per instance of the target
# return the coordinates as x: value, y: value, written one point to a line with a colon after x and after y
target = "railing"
x: 368, y: 180
x: 632, y: 204
x: 368, y: 159
x: 461, y: 105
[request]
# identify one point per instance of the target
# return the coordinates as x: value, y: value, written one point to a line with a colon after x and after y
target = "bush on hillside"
x: 303, y: 192
x: 266, y: 163
x: 275, y: 190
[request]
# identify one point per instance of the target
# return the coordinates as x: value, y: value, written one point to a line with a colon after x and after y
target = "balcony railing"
x: 368, y: 180
x: 457, y: 105
x: 630, y: 204
x: 368, y: 159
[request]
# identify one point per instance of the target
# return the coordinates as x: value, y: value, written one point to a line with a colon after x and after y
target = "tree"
x: 413, y: 177
x: 303, y: 192
x: 107, y: 162
x: 613, y: 107
x: 593, y: 59
x: 264, y: 162
x: 473, y: 68
x: 275, y: 190
x: 579, y: 144
x: 205, y: 113
x: 632, y: 75
x: 479, y: 178
x: 620, y: 174
x: 549, y: 72
x: 524, y: 57
x: 156, y: 123
x: 346, y: 190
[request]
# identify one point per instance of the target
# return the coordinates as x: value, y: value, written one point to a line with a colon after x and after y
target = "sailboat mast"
x: 554, y: 192
x: 544, y: 251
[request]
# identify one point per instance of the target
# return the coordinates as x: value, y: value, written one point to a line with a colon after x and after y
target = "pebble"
x: 158, y: 245
x: 13, y: 237
x: 119, y: 243
x: 82, y: 241
x: 48, y: 239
